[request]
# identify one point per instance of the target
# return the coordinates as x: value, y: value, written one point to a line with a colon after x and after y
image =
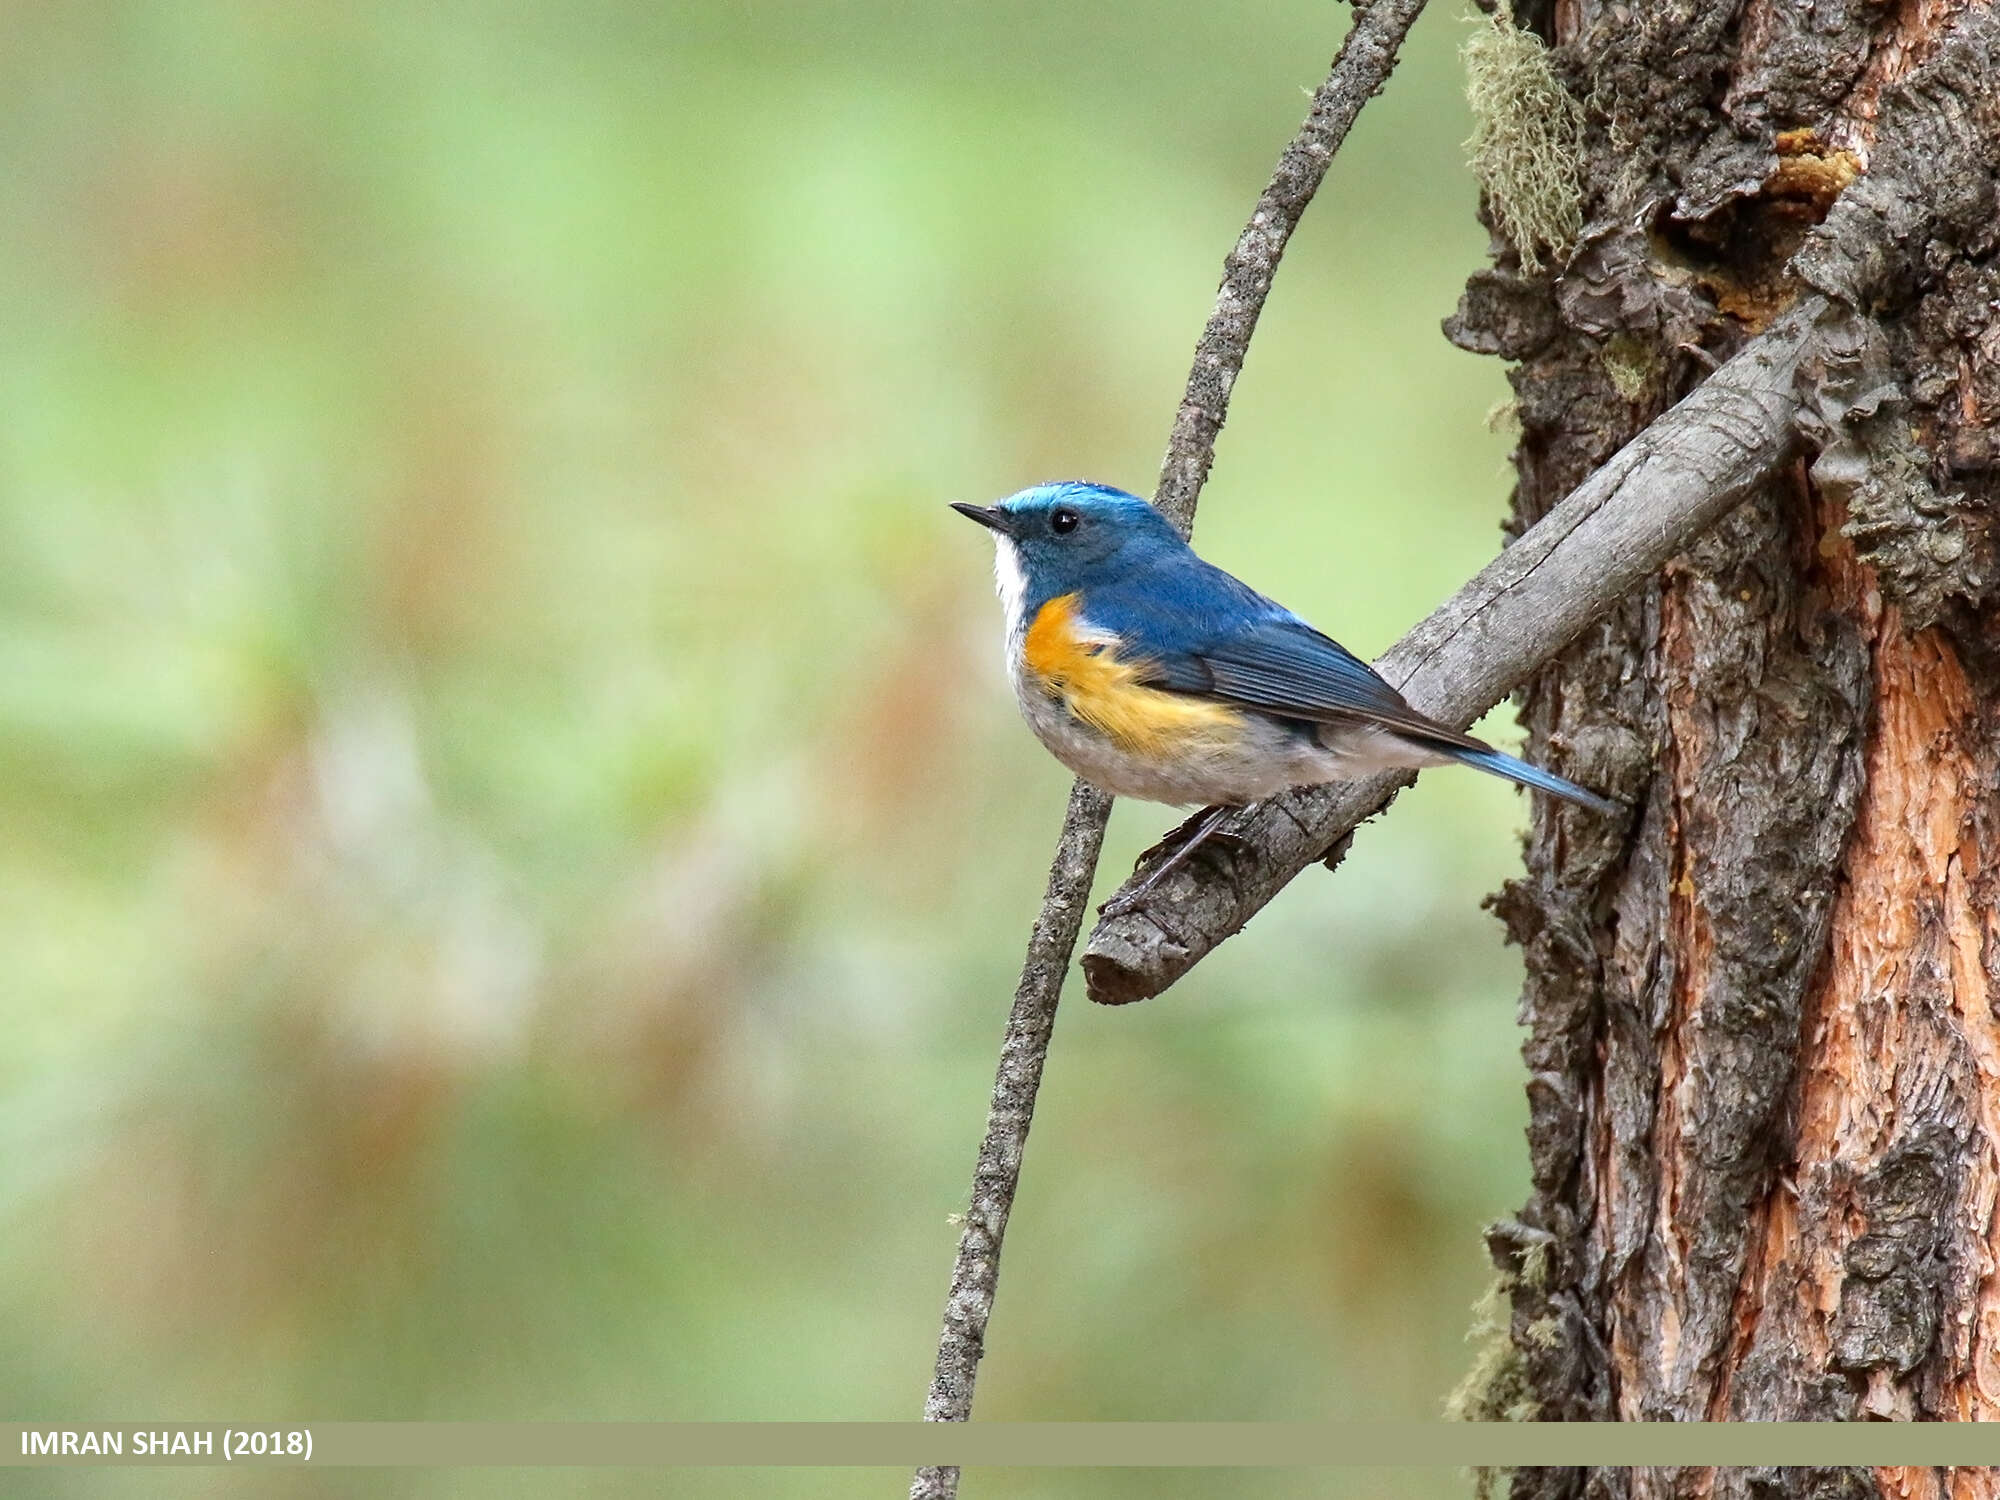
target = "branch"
x: 1364, y: 63
x: 1658, y: 492
x: 975, y: 1273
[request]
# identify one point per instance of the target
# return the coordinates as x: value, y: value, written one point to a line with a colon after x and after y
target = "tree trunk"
x: 1764, y: 1016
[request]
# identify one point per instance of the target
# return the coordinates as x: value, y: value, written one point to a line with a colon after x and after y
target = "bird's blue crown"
x: 1071, y: 535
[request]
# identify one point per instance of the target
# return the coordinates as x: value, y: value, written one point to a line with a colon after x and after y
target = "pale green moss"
x: 1629, y: 363
x: 1535, y: 1265
x: 1495, y: 1389
x: 1526, y: 143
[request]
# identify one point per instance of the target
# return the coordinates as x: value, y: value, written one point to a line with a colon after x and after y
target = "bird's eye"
x: 1062, y: 520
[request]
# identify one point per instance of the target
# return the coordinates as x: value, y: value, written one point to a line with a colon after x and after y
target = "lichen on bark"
x: 1526, y: 137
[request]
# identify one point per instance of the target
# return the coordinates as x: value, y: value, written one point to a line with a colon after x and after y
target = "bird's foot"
x: 1200, y: 829
x: 1125, y: 902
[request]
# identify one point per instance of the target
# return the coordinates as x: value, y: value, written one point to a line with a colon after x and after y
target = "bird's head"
x: 1061, y: 538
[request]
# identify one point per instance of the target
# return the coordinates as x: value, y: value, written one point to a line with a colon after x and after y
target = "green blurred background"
x: 518, y: 843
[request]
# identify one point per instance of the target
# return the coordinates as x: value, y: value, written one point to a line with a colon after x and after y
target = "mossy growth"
x: 1495, y: 1389
x: 1629, y: 364
x: 1526, y: 143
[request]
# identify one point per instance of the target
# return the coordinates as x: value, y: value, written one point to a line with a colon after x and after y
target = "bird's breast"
x: 1098, y: 679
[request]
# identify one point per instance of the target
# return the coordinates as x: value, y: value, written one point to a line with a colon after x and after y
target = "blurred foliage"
x: 518, y: 844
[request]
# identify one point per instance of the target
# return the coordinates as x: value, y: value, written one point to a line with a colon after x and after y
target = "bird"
x: 1156, y: 675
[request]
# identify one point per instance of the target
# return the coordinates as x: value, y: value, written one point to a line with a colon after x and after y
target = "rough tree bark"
x: 1764, y: 1018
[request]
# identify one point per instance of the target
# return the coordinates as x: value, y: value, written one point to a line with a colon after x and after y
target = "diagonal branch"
x: 1656, y: 494
x: 1363, y: 65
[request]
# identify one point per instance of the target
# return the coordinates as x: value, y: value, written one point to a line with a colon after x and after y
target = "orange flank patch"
x: 1106, y: 693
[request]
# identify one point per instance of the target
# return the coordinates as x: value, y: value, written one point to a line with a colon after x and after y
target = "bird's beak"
x: 990, y: 516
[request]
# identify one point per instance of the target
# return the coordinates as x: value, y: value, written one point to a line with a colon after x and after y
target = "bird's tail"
x: 1501, y: 764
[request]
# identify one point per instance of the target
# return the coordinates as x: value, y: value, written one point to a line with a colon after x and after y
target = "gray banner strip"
x: 1002, y: 1444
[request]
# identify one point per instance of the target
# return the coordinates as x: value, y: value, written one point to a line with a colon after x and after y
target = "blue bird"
x: 1153, y: 674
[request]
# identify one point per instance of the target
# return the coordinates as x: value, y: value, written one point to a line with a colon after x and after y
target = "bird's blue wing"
x: 1204, y: 632
x: 1197, y: 630
x: 1286, y: 667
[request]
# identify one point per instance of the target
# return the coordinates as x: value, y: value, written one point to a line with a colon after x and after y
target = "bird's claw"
x: 1203, y: 828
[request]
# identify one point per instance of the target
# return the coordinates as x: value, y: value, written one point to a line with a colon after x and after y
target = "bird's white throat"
x: 1011, y: 582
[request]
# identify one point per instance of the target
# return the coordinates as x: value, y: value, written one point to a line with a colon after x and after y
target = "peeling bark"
x: 1764, y: 1020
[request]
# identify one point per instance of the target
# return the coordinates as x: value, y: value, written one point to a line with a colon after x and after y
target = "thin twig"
x: 1365, y: 61
x: 975, y: 1273
x: 1659, y: 492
